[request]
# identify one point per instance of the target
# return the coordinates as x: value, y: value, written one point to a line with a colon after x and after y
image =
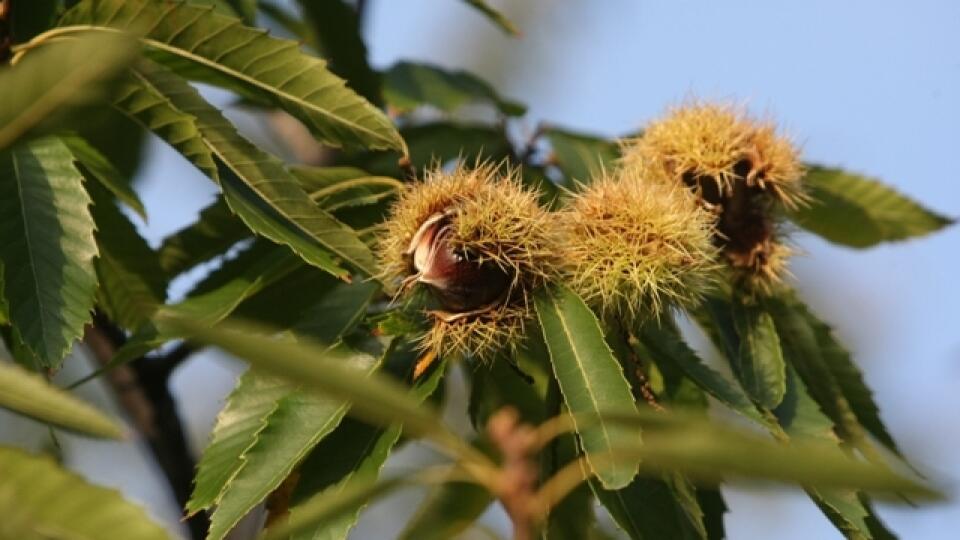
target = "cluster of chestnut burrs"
x: 692, y: 203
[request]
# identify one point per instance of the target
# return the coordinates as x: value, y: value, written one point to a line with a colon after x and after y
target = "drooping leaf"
x: 801, y: 417
x: 214, y: 232
x: 28, y: 394
x: 759, y: 362
x: 590, y: 379
x: 238, y: 425
x: 52, y: 84
x: 196, y: 40
x: 336, y: 27
x: 354, y: 452
x: 814, y: 362
x: 408, y: 86
x: 580, y: 156
x: 132, y: 286
x: 708, y: 451
x: 38, y: 499
x: 494, y: 16
x: 649, y: 508
x: 714, y: 507
x: 668, y: 345
x: 299, y: 421
x: 374, y: 397
x: 49, y: 279
x: 259, y: 189
x: 860, y: 212
x: 104, y: 172
x: 118, y: 138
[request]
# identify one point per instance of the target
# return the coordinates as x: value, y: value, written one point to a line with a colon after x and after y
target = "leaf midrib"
x: 30, y: 254
x: 190, y: 55
x: 254, y: 186
x: 593, y: 400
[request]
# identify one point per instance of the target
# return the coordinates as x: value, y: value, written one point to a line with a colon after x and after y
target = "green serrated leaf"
x: 408, y: 85
x: 579, y: 156
x: 299, y: 421
x: 131, y: 283
x: 590, y: 379
x: 801, y: 417
x: 52, y: 84
x: 336, y: 27
x: 375, y: 398
x: 100, y: 168
x: 860, y: 212
x: 261, y: 191
x: 237, y: 427
x: 49, y: 279
x: 649, y: 508
x: 355, y: 452
x: 759, y: 362
x: 666, y: 344
x: 819, y: 361
x: 30, y: 395
x: 494, y: 16
x: 38, y: 499
x: 193, y: 39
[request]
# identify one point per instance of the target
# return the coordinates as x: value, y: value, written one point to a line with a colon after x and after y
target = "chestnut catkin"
x: 633, y: 247
x: 480, y: 244
x: 738, y: 168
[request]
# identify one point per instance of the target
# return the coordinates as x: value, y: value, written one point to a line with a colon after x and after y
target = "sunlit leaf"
x: 258, y: 188
x: 354, y: 452
x: 38, y: 499
x: 30, y: 395
x: 49, y: 279
x: 860, y: 212
x: 292, y: 429
x: 336, y: 27
x: 590, y: 378
x: 194, y: 39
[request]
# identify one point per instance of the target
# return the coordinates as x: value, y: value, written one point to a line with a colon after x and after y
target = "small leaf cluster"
x: 591, y: 402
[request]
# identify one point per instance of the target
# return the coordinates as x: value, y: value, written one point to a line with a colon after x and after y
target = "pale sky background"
x: 871, y: 86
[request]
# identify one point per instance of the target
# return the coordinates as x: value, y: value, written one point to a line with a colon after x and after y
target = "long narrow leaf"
x: 590, y: 378
x: 220, y: 49
x: 38, y: 499
x: 48, y: 247
x: 28, y: 394
x: 257, y: 186
x: 860, y: 212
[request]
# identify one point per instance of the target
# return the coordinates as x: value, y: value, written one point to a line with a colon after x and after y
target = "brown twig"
x: 516, y: 485
x: 142, y: 391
